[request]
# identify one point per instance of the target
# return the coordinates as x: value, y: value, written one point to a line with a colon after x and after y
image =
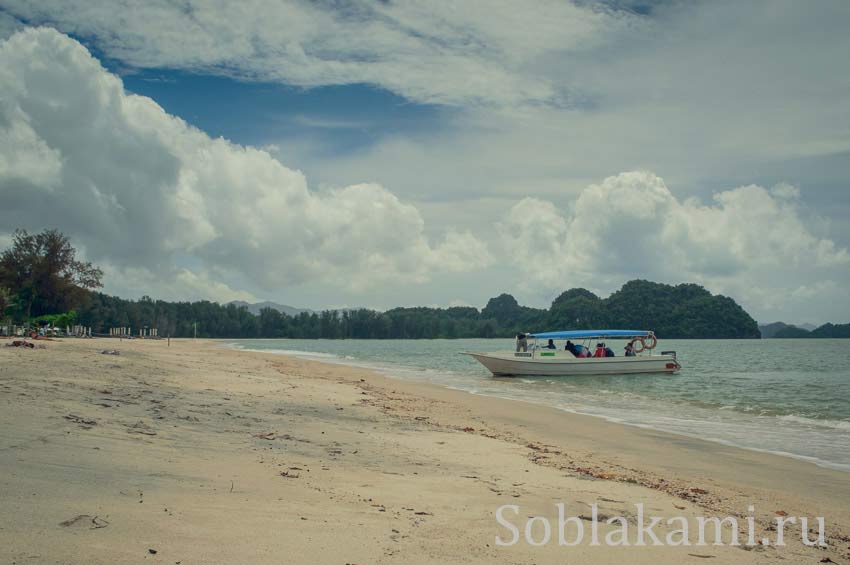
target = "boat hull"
x: 508, y: 365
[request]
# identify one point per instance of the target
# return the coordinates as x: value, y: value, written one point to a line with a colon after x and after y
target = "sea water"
x: 785, y: 396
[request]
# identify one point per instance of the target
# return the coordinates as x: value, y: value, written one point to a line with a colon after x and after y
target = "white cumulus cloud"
x: 141, y: 189
x: 750, y: 242
x: 436, y: 52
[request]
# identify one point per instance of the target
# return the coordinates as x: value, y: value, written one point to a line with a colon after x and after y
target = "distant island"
x: 781, y: 330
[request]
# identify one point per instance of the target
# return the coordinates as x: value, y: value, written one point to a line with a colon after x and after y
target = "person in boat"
x: 600, y: 350
x: 521, y: 343
x: 630, y: 349
x: 608, y: 351
x: 550, y: 345
x: 571, y: 347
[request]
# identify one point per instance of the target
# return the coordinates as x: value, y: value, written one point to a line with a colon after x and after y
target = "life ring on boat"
x: 640, y: 342
x: 653, y: 340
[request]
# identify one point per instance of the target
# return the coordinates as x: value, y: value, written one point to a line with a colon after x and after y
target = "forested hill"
x: 681, y: 311
x: 827, y: 330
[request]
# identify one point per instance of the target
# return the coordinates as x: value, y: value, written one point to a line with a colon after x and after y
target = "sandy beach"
x: 194, y: 453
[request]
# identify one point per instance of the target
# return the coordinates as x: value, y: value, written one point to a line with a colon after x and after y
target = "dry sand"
x: 206, y: 455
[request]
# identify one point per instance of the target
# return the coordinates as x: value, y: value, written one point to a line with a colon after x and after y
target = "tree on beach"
x: 5, y: 297
x: 43, y: 274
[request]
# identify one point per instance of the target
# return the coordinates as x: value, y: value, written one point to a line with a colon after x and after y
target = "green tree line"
x: 40, y: 276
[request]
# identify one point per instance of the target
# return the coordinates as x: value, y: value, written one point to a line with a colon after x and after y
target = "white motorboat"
x: 568, y: 359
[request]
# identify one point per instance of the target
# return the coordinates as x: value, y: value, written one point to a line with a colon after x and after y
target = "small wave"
x: 295, y: 353
x: 831, y: 424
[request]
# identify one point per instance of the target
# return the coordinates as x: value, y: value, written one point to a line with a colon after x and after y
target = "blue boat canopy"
x: 590, y: 334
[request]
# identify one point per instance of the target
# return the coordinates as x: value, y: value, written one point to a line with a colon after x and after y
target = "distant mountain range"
x: 769, y: 330
x: 783, y: 330
x: 282, y: 308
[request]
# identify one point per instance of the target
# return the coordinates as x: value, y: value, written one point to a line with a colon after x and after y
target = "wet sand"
x: 206, y: 455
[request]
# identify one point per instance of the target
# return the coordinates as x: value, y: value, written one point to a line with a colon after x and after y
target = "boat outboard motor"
x: 673, y: 355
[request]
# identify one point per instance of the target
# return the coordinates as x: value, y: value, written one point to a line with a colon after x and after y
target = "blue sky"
x: 398, y: 153
x: 346, y: 117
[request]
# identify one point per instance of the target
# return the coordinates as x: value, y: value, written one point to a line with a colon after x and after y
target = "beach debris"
x: 702, y: 556
x: 599, y: 517
x: 110, y: 352
x: 141, y: 428
x: 267, y: 435
x: 826, y: 560
x: 93, y: 522
x: 289, y: 437
x: 21, y: 343
x: 781, y: 513
x: 289, y: 475
x: 85, y: 423
x: 152, y: 551
x: 586, y: 471
x: 697, y: 490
